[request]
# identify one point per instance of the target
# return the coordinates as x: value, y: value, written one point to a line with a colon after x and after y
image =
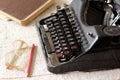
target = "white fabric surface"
x: 11, y: 31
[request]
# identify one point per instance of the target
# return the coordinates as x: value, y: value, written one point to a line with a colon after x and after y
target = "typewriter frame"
x: 100, y: 58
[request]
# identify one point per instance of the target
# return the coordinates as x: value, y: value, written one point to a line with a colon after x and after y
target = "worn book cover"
x: 23, y: 11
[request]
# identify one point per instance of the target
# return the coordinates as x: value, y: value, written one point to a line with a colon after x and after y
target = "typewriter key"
x: 71, y: 39
x: 50, y: 26
x: 67, y: 32
x: 64, y: 44
x: 59, y: 30
x: 70, y: 17
x: 74, y: 28
x: 66, y: 52
x: 52, y: 33
x: 61, y: 37
x: 58, y: 27
x: 52, y: 29
x: 64, y: 26
x: 74, y: 31
x: 59, y: 55
x: 79, y: 40
x: 69, y: 36
x: 72, y: 43
x: 58, y: 50
x: 54, y: 36
x: 73, y: 23
x: 57, y: 46
x: 78, y: 37
x: 62, y: 19
x: 62, y: 41
x: 69, y: 14
x: 61, y: 16
x: 77, y: 33
x: 56, y: 42
x: 64, y: 22
x: 48, y: 22
x: 60, y: 34
x: 60, y: 12
x: 55, y: 20
x: 56, y: 24
x: 74, y: 47
x: 67, y: 9
x: 66, y: 29
x: 65, y: 48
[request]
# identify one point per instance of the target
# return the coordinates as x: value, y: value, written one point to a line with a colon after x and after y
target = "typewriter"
x: 82, y: 36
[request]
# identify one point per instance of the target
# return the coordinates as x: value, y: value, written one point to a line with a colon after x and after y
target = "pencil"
x: 30, y: 60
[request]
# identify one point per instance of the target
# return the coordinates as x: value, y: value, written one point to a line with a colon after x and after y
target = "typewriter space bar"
x: 50, y: 43
x: 47, y: 42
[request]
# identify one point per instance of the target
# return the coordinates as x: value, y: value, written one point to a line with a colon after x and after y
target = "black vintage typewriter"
x: 82, y: 36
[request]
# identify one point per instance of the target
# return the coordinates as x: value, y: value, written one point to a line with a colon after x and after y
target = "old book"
x: 23, y: 11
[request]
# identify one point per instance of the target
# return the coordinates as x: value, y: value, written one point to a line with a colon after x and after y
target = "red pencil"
x: 30, y: 61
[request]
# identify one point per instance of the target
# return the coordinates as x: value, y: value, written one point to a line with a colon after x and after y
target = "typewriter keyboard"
x: 64, y: 33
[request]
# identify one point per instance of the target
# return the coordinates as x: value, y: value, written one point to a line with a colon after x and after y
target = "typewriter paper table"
x: 11, y: 31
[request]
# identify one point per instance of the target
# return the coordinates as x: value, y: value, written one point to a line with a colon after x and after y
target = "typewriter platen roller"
x: 78, y: 37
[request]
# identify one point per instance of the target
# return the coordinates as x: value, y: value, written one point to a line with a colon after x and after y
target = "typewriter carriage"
x: 103, y: 12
